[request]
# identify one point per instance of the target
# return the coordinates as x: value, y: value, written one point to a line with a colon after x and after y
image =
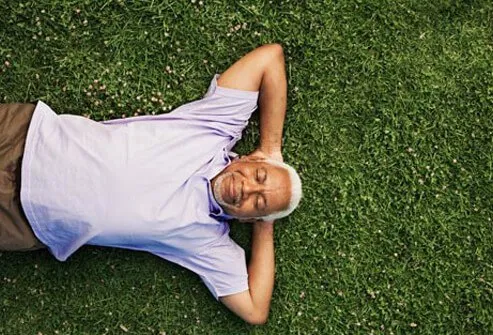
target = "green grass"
x: 389, y: 123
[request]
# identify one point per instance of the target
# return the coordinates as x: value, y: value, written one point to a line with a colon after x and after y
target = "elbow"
x: 258, y: 319
x: 273, y: 52
x: 276, y: 51
x: 257, y: 322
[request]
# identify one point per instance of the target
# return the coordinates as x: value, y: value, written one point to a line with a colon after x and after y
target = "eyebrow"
x: 265, y: 174
x: 263, y: 196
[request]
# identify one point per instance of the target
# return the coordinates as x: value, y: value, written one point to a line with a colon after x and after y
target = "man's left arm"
x: 253, y: 305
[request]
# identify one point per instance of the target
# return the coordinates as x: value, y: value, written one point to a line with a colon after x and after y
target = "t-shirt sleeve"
x: 215, y: 89
x: 221, y: 266
x: 225, y: 109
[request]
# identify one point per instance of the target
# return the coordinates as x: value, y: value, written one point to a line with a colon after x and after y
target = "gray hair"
x: 296, y: 192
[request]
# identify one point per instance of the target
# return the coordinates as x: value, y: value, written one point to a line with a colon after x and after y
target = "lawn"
x: 389, y: 122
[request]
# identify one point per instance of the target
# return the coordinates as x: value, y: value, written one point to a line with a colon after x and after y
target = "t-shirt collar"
x: 215, y: 209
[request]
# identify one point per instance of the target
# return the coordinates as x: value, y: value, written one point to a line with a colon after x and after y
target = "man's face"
x: 252, y: 188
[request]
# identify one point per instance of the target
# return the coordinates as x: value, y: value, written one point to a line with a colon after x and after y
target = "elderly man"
x: 165, y: 184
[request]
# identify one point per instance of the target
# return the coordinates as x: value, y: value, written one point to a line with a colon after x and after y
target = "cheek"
x: 249, y: 207
x: 246, y: 209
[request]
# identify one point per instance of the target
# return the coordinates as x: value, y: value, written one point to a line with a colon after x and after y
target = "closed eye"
x: 260, y: 203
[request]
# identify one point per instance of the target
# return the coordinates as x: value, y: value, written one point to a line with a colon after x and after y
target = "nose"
x: 249, y: 188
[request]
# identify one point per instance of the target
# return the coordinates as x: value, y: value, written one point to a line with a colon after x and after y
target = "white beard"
x: 217, y: 190
x: 218, y: 194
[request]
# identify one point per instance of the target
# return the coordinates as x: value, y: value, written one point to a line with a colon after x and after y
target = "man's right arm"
x: 263, y: 70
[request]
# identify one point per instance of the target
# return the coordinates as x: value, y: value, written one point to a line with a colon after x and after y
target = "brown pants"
x: 15, y: 231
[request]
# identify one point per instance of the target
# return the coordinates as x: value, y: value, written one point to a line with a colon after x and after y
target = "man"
x: 164, y: 184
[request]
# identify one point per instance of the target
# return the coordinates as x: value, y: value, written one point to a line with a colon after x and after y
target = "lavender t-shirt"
x: 140, y: 183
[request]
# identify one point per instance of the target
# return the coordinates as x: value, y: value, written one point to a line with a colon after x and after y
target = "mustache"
x: 220, y: 185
